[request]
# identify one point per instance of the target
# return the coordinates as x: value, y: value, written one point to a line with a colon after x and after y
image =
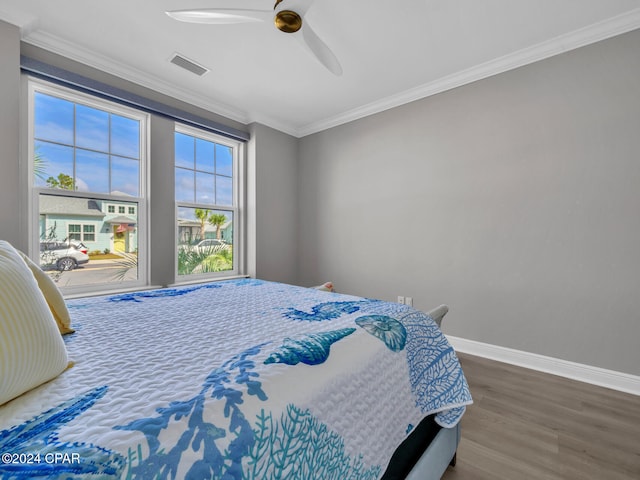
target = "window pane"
x: 224, y: 160
x: 125, y: 176
x: 205, y: 188
x: 185, y: 153
x: 92, y: 128
x: 66, y: 223
x: 125, y: 136
x: 88, y: 233
x: 224, y: 191
x: 74, y: 233
x: 92, y: 171
x: 87, y: 168
x: 185, y: 185
x: 53, y: 119
x: 205, y: 241
x: 52, y: 163
x: 204, y: 155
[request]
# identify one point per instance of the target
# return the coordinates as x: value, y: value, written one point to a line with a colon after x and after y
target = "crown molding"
x: 578, y: 38
x: 106, y: 64
x: 272, y: 123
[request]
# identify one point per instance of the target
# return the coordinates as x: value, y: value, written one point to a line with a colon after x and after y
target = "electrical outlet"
x: 405, y: 300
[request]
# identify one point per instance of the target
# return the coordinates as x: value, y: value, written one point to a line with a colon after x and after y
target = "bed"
x: 238, y: 379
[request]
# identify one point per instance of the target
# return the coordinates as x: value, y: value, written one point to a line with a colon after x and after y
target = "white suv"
x: 63, y: 255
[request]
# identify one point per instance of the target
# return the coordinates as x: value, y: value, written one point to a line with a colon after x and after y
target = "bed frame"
x: 441, y: 452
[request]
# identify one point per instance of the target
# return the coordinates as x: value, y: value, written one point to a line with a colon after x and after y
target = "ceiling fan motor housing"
x: 288, y: 21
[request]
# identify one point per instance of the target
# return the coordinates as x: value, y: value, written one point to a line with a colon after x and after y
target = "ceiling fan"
x: 288, y: 20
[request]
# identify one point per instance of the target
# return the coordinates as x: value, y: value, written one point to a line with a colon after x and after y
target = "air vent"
x: 187, y: 64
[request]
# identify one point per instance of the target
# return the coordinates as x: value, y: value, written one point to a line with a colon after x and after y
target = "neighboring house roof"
x: 188, y: 223
x: 119, y: 193
x: 70, y: 206
x: 122, y: 219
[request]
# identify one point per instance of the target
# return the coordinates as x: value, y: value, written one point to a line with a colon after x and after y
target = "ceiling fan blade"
x: 320, y: 50
x: 221, y: 16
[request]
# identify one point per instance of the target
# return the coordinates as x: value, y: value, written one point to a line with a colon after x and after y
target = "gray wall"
x: 162, y: 242
x: 274, y: 200
x: 11, y: 228
x: 515, y: 200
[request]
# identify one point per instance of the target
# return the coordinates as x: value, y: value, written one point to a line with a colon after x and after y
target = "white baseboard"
x: 623, y: 382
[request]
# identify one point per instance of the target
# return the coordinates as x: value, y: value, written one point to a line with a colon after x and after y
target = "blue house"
x: 99, y: 224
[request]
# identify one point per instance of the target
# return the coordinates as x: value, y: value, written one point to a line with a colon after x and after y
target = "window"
x: 74, y: 232
x: 88, y: 169
x: 206, y: 188
x: 81, y: 232
x: 88, y: 233
x: 121, y: 209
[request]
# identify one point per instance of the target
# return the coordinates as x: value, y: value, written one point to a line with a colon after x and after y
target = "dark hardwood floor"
x: 526, y: 424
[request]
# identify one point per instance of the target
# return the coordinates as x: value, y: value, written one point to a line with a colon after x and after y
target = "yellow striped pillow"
x: 52, y: 295
x: 31, y: 348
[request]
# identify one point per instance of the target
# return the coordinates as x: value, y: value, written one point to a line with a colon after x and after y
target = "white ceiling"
x: 391, y: 52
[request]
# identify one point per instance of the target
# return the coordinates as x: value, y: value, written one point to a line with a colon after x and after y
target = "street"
x: 96, y: 271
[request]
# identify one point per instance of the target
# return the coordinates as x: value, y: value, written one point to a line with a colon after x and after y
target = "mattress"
x: 241, y: 379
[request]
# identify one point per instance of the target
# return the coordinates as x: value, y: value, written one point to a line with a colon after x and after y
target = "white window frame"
x: 237, y: 208
x: 141, y: 204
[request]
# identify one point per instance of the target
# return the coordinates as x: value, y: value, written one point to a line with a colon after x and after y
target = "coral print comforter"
x: 242, y: 379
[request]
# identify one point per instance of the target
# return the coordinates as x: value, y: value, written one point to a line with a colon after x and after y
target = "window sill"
x: 206, y: 280
x: 116, y: 291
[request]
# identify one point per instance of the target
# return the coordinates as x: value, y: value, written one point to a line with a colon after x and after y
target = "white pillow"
x: 31, y: 348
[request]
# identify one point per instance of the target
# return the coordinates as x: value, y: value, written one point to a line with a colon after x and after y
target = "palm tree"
x: 217, y: 220
x: 128, y: 263
x: 202, y: 216
x: 195, y: 261
x: 39, y: 165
